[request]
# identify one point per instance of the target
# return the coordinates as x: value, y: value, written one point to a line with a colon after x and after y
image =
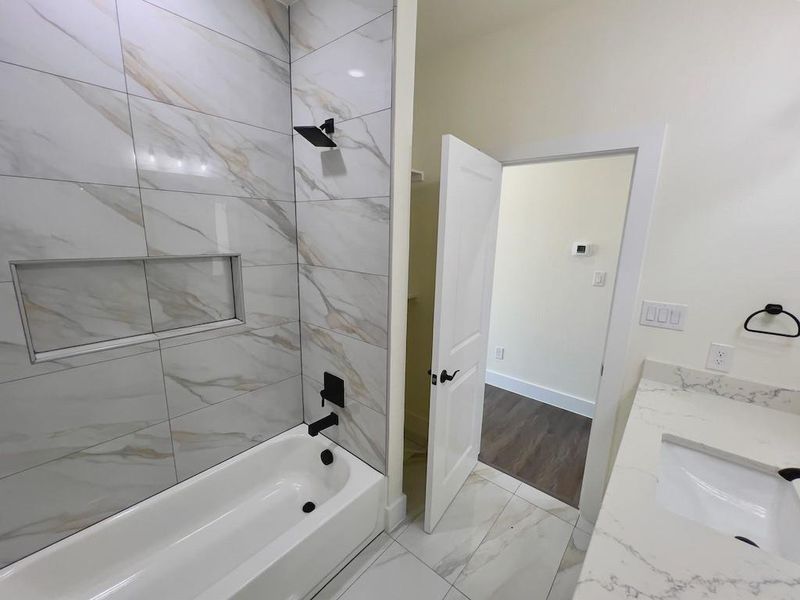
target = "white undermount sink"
x: 733, y: 499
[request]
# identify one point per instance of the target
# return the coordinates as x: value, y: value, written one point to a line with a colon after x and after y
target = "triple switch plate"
x: 663, y: 315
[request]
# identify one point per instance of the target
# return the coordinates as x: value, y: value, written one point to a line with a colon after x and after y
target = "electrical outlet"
x: 720, y: 357
x: 499, y: 352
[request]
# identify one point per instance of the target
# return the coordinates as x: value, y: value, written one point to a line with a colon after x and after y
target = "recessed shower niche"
x: 77, y: 306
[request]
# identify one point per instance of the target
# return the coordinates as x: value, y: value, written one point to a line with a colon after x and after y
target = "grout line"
x: 67, y: 77
x: 310, y: 52
x: 342, y: 334
x: 327, y: 268
x: 363, y: 572
x: 561, y: 560
x: 339, y: 122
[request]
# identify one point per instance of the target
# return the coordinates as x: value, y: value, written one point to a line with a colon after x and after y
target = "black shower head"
x: 319, y: 136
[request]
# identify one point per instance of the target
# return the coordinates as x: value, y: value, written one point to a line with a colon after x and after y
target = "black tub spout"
x: 325, y: 422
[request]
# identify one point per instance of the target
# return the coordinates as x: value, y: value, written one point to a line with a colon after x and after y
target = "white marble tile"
x: 203, y: 336
x: 358, y: 168
x: 460, y: 531
x: 55, y: 219
x: 347, y: 78
x: 570, y: 568
x: 454, y: 594
x: 519, y: 557
x: 355, y: 568
x: 262, y: 231
x: 50, y: 502
x: 77, y: 39
x: 317, y: 22
x: 183, y: 150
x: 554, y: 506
x: 584, y: 524
x: 361, y: 430
x: 93, y: 145
x: 504, y: 481
x: 205, y: 373
x: 270, y: 295
x: 46, y: 417
x: 345, y: 234
x: 71, y: 304
x: 361, y: 366
x: 186, y: 292
x: 262, y: 24
x: 162, y: 52
x: 397, y: 575
x: 208, y: 436
x: 354, y: 304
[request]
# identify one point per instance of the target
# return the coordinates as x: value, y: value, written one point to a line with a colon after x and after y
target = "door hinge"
x: 433, y: 377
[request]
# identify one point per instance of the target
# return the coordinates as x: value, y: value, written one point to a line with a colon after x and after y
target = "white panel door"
x: 469, y: 203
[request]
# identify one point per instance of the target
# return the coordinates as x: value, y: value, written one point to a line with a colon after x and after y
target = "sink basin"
x: 734, y: 499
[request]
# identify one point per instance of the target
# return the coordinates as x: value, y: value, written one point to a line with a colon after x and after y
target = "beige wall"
x: 723, y: 75
x: 546, y: 313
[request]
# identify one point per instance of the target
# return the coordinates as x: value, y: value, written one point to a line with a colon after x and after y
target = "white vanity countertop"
x: 640, y: 550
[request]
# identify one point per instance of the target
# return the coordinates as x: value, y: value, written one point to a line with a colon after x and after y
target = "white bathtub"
x: 235, y: 531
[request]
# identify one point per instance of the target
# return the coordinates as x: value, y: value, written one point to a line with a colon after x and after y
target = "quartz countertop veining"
x: 641, y: 550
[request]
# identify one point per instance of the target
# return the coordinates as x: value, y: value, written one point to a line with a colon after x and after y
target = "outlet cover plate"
x: 720, y: 357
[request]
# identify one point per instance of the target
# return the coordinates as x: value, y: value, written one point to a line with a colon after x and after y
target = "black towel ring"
x: 773, y: 309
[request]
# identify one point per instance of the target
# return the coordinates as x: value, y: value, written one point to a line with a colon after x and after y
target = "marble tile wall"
x: 132, y: 128
x: 342, y: 68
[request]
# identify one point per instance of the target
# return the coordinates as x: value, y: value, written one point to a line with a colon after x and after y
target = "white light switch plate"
x: 499, y: 352
x: 599, y: 278
x: 663, y: 315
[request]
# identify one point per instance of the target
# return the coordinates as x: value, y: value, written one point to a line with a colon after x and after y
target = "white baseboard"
x: 395, y: 512
x: 573, y: 404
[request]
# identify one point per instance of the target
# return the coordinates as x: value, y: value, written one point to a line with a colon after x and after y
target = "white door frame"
x: 647, y: 143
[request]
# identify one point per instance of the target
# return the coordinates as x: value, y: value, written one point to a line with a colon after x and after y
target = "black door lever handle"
x: 445, y: 377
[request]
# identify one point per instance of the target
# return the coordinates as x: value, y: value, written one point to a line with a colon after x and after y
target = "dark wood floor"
x: 539, y: 444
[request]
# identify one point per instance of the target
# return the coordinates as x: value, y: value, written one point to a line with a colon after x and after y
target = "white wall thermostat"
x: 581, y: 249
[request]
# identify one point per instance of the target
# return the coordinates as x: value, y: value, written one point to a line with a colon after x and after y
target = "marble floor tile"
x: 94, y: 145
x: 47, y: 503
x: 345, y: 234
x: 349, y: 77
x: 211, y: 435
x: 183, y: 150
x: 354, y: 304
x: 359, y: 168
x: 77, y: 39
x: 454, y: 594
x: 460, y: 531
x: 162, y: 51
x: 262, y: 231
x: 504, y: 481
x: 519, y: 556
x: 584, y: 524
x: 355, y: 568
x: 263, y: 25
x: 562, y: 510
x: 47, y: 417
x: 314, y: 23
x: 270, y: 295
x: 204, y: 373
x: 397, y: 575
x: 57, y: 219
x: 570, y: 568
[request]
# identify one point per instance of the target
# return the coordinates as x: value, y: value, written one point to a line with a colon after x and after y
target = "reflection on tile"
x: 206, y: 437
x: 345, y: 234
x: 519, y: 556
x: 263, y: 24
x: 354, y: 304
x: 415, y: 467
x: 77, y: 39
x: 317, y: 22
x: 460, y: 530
x: 162, y: 52
x: 270, y: 295
x: 498, y: 477
x: 186, y: 292
x: 347, y: 78
x: 362, y: 366
x: 361, y: 430
x: 554, y: 506
x: 358, y: 168
x: 56, y: 219
x: 46, y: 417
x: 69, y: 304
x: 93, y: 144
x: 355, y: 568
x: 397, y: 575
x: 570, y: 568
x: 52, y: 501
x: 262, y: 231
x: 205, y: 373
x: 183, y: 150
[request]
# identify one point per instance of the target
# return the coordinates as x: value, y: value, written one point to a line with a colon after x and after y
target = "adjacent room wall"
x: 546, y: 313
x: 119, y: 147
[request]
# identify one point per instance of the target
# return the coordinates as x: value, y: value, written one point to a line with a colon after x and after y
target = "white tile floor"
x: 500, y: 539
